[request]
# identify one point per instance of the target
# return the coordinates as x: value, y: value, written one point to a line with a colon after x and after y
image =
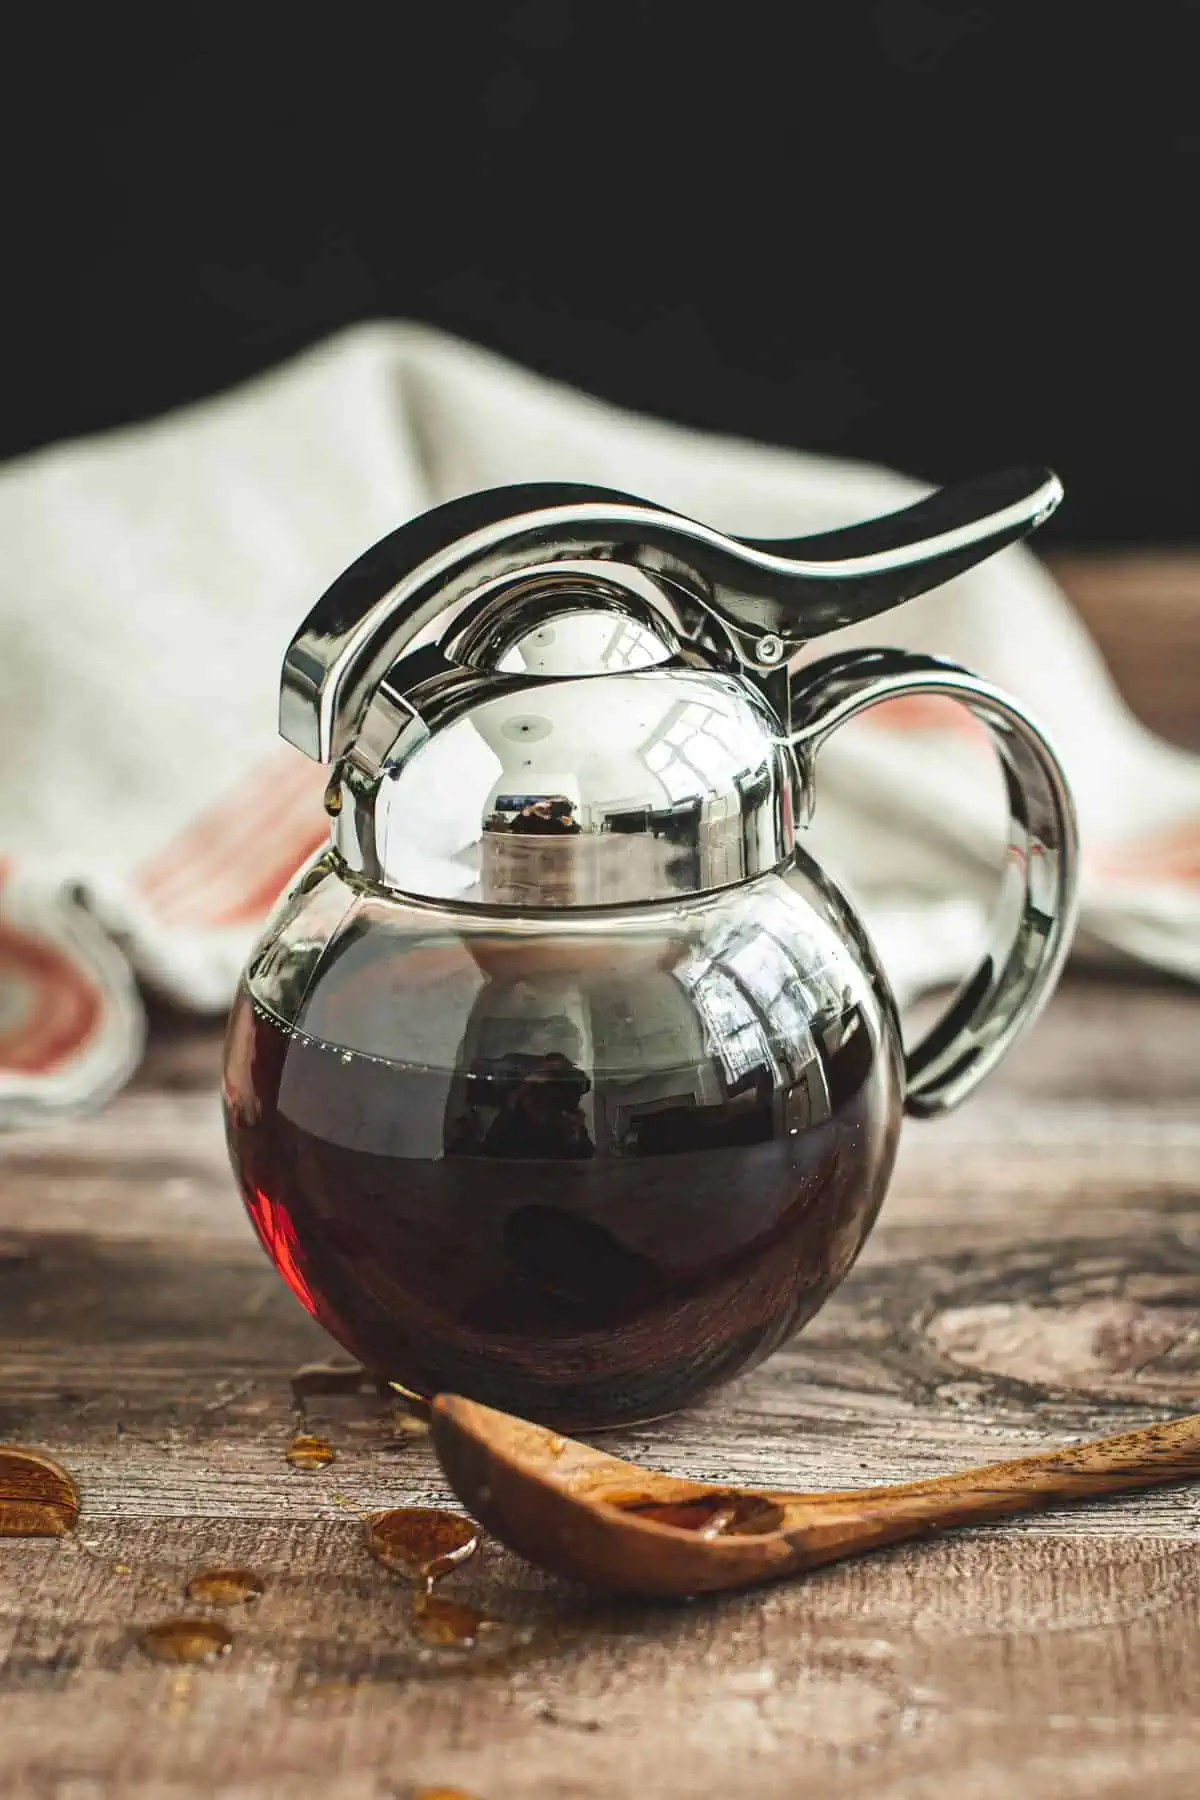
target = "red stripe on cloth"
x: 59, y: 1009
x: 228, y: 864
x: 256, y: 902
x: 925, y: 712
x: 226, y: 828
x: 225, y: 887
x: 1171, y: 855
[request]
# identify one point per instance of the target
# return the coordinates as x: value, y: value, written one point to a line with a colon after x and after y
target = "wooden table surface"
x: 1035, y: 1277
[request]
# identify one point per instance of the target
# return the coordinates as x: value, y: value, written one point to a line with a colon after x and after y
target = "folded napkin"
x: 151, y: 579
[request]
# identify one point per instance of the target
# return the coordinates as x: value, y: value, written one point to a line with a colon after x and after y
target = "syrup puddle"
x: 224, y: 1587
x: 422, y: 1544
x: 310, y: 1453
x: 185, y: 1640
x: 193, y: 1638
x: 37, y: 1496
x: 447, y: 1624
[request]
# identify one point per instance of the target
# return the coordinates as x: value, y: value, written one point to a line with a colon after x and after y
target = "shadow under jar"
x: 580, y: 1167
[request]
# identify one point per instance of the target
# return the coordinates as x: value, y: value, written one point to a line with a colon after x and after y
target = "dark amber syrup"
x: 577, y: 1245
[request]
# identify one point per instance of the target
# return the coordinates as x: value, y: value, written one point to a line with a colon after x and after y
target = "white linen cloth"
x: 151, y: 578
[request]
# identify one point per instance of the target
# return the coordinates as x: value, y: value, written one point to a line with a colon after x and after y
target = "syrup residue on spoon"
x: 37, y: 1496
x: 708, y: 1515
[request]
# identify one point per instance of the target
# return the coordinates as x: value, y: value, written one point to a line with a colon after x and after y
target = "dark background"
x: 943, y: 234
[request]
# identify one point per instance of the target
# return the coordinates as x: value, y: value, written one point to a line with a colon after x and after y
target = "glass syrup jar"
x: 565, y: 1078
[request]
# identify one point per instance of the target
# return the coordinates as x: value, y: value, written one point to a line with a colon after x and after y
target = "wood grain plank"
x: 959, y: 1668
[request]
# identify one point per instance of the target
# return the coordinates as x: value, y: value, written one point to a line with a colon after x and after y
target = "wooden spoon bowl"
x: 582, y: 1513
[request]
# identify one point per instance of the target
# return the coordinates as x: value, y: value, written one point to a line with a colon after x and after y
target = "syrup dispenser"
x: 564, y: 1078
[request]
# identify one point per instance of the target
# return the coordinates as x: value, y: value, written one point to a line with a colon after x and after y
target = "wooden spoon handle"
x: 844, y: 1523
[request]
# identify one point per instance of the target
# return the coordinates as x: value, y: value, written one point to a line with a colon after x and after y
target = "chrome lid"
x: 558, y: 697
x: 579, y: 792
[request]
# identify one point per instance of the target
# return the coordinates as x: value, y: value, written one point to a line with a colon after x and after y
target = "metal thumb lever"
x: 748, y: 600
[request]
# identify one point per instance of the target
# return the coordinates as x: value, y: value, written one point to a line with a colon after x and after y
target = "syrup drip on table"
x: 445, y: 1623
x: 37, y: 1496
x: 186, y: 1640
x: 308, y: 1452
x: 423, y: 1543
x: 224, y: 1587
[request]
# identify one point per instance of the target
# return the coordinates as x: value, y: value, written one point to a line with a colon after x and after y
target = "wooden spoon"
x: 588, y: 1515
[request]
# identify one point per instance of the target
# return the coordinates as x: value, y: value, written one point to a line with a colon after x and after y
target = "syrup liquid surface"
x: 568, y: 1220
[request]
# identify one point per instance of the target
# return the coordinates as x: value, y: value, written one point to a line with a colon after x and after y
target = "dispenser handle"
x: 747, y: 601
x: 1036, y: 913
